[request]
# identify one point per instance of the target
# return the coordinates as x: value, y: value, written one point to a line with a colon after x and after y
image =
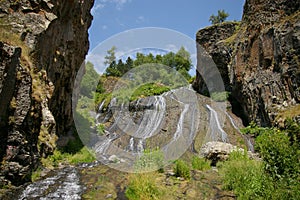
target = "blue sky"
x: 165, y: 25
x: 114, y: 16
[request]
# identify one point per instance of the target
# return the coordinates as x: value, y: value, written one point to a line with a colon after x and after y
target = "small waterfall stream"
x: 216, y: 133
x: 64, y: 184
x: 247, y: 140
x: 180, y: 122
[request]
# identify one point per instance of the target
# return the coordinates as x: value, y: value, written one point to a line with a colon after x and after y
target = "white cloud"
x: 98, y: 61
x: 99, y: 4
x: 97, y: 7
x: 140, y: 19
x: 104, y: 27
x: 172, y: 47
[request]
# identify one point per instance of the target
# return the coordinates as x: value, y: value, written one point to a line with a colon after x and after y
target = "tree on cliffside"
x: 221, y: 17
x: 111, y: 56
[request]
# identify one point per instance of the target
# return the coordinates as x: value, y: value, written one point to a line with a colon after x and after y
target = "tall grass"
x: 200, y: 163
x: 181, y: 169
x: 144, y: 187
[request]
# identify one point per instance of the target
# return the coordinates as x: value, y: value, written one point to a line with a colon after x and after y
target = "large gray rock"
x: 220, y: 151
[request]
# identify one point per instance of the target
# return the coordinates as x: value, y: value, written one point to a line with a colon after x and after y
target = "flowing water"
x: 129, y: 134
x: 247, y: 140
x: 63, y: 184
x: 216, y: 131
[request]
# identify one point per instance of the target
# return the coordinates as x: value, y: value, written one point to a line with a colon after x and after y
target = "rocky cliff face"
x: 259, y: 61
x: 42, y: 45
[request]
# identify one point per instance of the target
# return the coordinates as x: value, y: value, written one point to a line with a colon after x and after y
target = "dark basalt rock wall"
x: 260, y: 65
x: 42, y: 45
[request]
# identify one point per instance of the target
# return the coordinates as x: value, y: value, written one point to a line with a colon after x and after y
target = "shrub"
x: 243, y: 176
x: 83, y: 156
x: 280, y: 156
x: 277, y: 177
x: 150, y: 160
x: 144, y: 186
x: 200, y: 163
x: 181, y: 169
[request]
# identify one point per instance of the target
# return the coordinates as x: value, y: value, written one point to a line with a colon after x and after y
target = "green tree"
x: 112, y: 69
x: 111, y: 56
x: 221, y: 17
x: 88, y: 85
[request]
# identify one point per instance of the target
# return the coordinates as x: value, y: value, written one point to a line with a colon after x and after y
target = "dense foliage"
x: 179, y: 61
x: 277, y: 176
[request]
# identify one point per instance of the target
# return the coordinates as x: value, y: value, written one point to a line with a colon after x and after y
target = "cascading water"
x: 152, y: 118
x: 216, y: 131
x: 247, y: 140
x: 131, y: 144
x: 146, y: 119
x: 180, y: 122
x: 64, y: 184
x: 140, y: 146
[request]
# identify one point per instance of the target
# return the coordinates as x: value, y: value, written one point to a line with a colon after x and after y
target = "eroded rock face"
x: 264, y: 67
x: 37, y: 75
x: 211, y: 40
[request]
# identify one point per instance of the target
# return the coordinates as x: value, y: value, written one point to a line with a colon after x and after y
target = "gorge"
x: 43, y: 43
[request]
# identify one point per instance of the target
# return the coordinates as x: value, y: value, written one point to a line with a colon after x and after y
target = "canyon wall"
x: 43, y: 43
x: 258, y: 59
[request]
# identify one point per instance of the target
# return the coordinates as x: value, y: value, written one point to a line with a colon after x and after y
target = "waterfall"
x: 101, y: 106
x: 146, y: 118
x: 131, y: 144
x: 247, y: 140
x: 140, y: 147
x: 152, y: 118
x: 102, y: 146
x: 215, y: 127
x: 180, y: 122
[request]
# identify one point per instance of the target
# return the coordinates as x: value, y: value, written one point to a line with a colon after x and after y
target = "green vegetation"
x: 88, y: 86
x: 220, y: 96
x: 200, y: 163
x: 243, y: 176
x: 180, y: 61
x: 181, y: 169
x: 35, y: 175
x: 144, y: 187
x: 59, y: 157
x: 100, y: 129
x: 277, y: 176
x: 150, y: 160
x: 221, y: 17
x: 149, y: 89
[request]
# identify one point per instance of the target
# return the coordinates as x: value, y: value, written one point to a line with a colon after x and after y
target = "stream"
x: 126, y: 139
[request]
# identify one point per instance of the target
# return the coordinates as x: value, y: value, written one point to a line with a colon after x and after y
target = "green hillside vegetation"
x: 146, y: 75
